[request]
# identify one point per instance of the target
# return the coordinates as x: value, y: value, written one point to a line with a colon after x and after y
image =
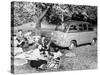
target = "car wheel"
x: 93, y: 42
x: 72, y: 45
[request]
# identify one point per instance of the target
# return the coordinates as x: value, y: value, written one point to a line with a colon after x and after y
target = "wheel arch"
x: 73, y: 41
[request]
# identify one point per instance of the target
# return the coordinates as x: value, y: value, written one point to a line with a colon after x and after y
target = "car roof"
x: 70, y: 22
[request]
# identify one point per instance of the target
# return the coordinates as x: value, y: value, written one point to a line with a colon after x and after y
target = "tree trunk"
x: 38, y: 23
x: 62, y: 18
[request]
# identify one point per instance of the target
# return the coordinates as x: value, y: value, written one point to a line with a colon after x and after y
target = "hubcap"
x: 72, y: 46
x: 93, y: 42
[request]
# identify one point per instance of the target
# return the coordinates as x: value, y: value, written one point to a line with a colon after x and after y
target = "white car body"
x: 63, y: 37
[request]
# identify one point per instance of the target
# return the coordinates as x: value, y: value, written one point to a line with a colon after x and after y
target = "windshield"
x: 62, y: 28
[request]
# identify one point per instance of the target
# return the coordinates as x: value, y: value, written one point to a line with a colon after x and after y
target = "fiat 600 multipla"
x: 74, y: 33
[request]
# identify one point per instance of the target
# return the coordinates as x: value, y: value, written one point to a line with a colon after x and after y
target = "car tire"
x: 93, y: 42
x: 73, y: 45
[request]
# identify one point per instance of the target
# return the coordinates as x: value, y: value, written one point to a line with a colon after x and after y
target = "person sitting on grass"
x: 17, y: 49
x: 19, y: 34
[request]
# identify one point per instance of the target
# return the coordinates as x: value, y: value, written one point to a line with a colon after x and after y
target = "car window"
x: 85, y: 27
x: 73, y: 28
x: 80, y: 27
x: 90, y: 28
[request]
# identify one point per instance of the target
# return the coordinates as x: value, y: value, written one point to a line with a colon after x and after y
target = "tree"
x: 25, y: 12
x: 39, y: 20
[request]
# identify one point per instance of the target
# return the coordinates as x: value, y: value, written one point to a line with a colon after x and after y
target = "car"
x: 74, y: 33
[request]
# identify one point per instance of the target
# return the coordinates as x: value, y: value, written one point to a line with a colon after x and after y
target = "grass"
x: 86, y: 58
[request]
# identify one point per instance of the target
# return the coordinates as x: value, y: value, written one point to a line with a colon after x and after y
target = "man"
x: 19, y: 35
x: 16, y: 48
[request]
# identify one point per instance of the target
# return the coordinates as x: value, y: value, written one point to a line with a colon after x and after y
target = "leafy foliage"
x: 24, y: 12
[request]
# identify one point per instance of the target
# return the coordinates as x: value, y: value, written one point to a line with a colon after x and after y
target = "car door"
x: 86, y: 33
x: 82, y: 33
x: 91, y: 33
x: 72, y: 34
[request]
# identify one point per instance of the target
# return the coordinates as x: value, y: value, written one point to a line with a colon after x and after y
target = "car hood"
x: 57, y: 37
